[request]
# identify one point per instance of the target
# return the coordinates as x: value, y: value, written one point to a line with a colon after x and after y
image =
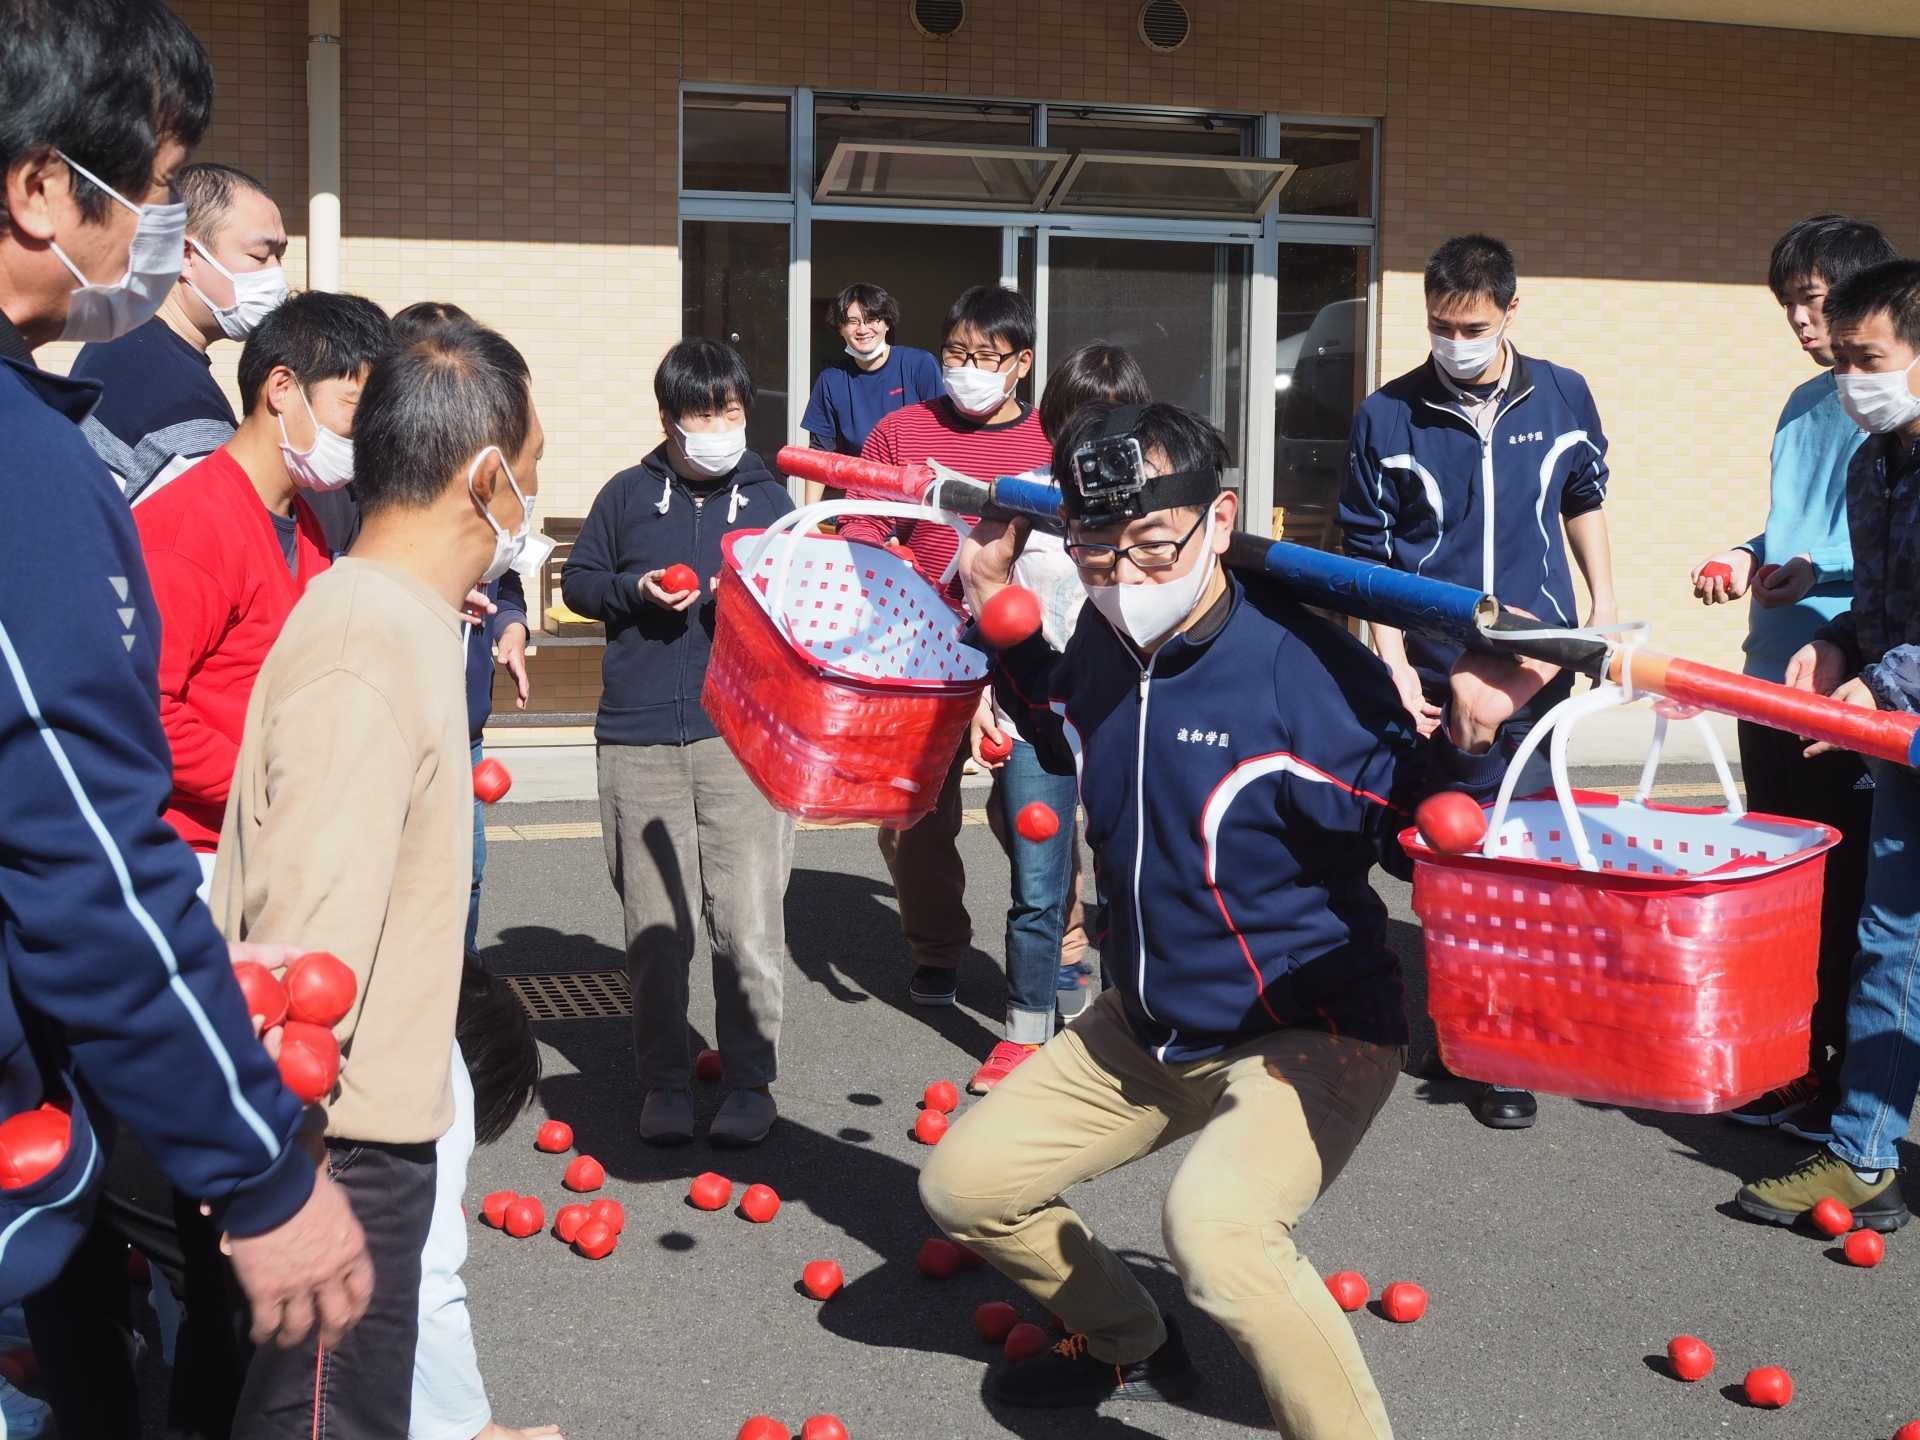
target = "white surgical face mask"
x: 327, y: 464
x: 1146, y: 612
x: 714, y: 453
x: 98, y: 312
x: 532, y: 556
x: 507, y: 548
x: 975, y: 391
x: 255, y: 294
x: 1464, y: 359
x: 1879, y: 403
x: 879, y: 348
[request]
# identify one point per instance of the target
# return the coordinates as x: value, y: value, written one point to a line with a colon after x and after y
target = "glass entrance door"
x: 1180, y: 307
x: 733, y: 287
x: 922, y: 266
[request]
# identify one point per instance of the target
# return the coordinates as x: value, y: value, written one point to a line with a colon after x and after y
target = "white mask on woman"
x: 713, y: 452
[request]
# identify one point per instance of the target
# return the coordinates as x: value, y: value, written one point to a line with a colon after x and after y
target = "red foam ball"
x: 596, y: 1240
x: 609, y: 1213
x: 994, y: 1321
x: 939, y: 1259
x: 708, y: 1066
x: 1349, y: 1289
x: 493, y: 1209
x: 491, y: 781
x: 1908, y: 1431
x: 1717, y: 570
x: 569, y: 1220
x: 710, y: 1191
x: 1023, y: 1342
x: 760, y: 1204
x: 585, y: 1173
x: 763, y: 1427
x: 929, y: 1126
x: 822, y: 1279
x: 320, y: 989
x: 1010, y: 617
x: 309, y: 1060
x: 941, y: 1095
x: 995, y: 746
x: 679, y: 579
x: 1865, y: 1248
x: 266, y: 997
x: 823, y: 1427
x: 1403, y: 1302
x: 1451, y: 822
x: 1768, y: 1387
x: 525, y: 1216
x: 32, y: 1145
x: 555, y: 1137
x: 1689, y: 1357
x: 1037, y: 822
x: 1831, y: 1218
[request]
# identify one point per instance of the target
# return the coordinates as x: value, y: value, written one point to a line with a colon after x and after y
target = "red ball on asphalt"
x: 995, y: 1320
x: 1023, y: 1342
x: 1831, y: 1218
x: 596, y: 1240
x: 710, y: 1191
x: 679, y: 579
x: 265, y: 996
x: 970, y: 1259
x: 1451, y: 822
x: 929, y: 1126
x: 763, y: 1427
x: 609, y: 1212
x: 822, y: 1279
x: 760, y: 1204
x: 996, y: 746
x: 1403, y: 1302
x: 708, y: 1066
x: 1037, y: 822
x: 1010, y: 617
x: 555, y: 1137
x: 320, y: 989
x: 525, y: 1216
x: 585, y: 1173
x: 1769, y: 1387
x: 309, y: 1060
x: 1908, y: 1431
x: 941, y: 1095
x: 490, y: 781
x: 1865, y: 1248
x: 1349, y: 1289
x: 493, y: 1209
x: 569, y: 1220
x: 823, y: 1427
x: 1689, y: 1357
x: 938, y: 1259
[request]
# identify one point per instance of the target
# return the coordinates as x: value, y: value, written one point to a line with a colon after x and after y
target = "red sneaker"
x: 1004, y: 1060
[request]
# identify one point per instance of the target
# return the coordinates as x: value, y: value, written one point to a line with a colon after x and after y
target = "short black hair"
x: 1187, y: 438
x: 318, y: 335
x: 207, y: 190
x: 1004, y: 316
x: 424, y: 317
x: 430, y: 407
x: 496, y: 1042
x: 1892, y: 287
x: 102, y: 81
x: 699, y: 376
x: 1834, y: 247
x: 1470, y: 265
x: 874, y: 303
x: 1096, y: 374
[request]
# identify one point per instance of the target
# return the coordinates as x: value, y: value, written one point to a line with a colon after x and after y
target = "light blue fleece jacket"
x: 1807, y: 516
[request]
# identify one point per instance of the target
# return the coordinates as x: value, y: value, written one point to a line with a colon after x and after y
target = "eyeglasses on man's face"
x: 956, y: 356
x: 1097, y: 558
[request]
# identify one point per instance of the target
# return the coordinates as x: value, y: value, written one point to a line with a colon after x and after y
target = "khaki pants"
x: 1277, y: 1120
x: 679, y: 822
x: 929, y: 881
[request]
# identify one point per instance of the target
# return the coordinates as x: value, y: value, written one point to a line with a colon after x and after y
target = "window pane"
x: 945, y: 175
x: 845, y: 117
x: 733, y: 287
x: 1336, y: 170
x: 1238, y: 190
x: 735, y: 142
x: 1227, y: 137
x: 1180, y: 309
x: 1319, y: 381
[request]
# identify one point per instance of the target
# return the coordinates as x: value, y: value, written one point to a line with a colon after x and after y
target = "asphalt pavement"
x: 1559, y: 1260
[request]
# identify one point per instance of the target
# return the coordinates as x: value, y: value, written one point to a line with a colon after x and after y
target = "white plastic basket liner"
x: 856, y: 609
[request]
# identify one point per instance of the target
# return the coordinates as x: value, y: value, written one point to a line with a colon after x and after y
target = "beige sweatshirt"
x: 350, y: 828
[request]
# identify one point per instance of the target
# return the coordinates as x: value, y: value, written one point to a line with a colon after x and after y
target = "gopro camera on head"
x: 1107, y: 476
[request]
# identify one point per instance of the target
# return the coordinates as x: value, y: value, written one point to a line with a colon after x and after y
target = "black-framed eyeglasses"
x: 955, y: 357
x: 1097, y: 558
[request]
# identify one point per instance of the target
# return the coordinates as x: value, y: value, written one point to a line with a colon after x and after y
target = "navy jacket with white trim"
x: 116, y: 994
x: 1238, y: 789
x: 1425, y: 493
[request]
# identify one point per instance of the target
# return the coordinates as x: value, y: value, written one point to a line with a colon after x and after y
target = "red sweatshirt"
x: 221, y: 584
x: 935, y: 430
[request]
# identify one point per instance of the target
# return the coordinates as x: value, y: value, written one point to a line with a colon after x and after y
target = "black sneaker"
x: 1780, y: 1105
x: 1068, y: 1376
x: 1499, y: 1107
x: 1814, y: 1122
x: 933, y: 985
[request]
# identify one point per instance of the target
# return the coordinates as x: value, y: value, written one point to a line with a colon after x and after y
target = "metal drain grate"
x: 582, y: 995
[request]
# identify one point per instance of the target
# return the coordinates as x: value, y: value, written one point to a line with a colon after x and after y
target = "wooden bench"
x: 563, y: 531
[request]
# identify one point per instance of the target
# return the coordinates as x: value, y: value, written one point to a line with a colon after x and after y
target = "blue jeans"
x: 1880, y: 1076
x: 479, y: 864
x: 1042, y: 891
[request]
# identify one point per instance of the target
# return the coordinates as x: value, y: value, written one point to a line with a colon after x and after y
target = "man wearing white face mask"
x: 686, y: 831
x: 350, y: 819
x: 1243, y: 765
x: 161, y: 410
x: 1469, y: 468
x: 875, y: 378
x: 232, y: 544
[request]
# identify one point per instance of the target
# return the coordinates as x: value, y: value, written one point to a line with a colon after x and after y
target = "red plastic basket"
x: 1620, y: 951
x: 838, y: 676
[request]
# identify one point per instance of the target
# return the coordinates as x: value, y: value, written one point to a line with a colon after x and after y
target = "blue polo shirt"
x: 847, y: 402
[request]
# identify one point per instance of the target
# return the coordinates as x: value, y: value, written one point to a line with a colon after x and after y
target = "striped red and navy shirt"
x: 935, y: 430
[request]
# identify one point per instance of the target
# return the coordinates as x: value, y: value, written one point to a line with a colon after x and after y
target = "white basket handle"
x: 788, y: 528
x: 1558, y: 726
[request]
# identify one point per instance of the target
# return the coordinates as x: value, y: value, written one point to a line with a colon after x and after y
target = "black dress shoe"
x: 1499, y: 1108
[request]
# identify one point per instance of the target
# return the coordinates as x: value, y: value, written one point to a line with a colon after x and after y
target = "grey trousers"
x: 682, y: 821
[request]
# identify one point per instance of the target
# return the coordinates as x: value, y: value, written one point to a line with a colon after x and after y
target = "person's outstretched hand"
x: 310, y: 1272
x: 1486, y: 692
